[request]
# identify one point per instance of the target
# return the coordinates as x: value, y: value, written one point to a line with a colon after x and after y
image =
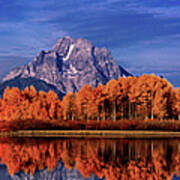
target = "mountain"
x: 21, y: 83
x: 59, y: 172
x: 4, y: 174
x: 70, y: 64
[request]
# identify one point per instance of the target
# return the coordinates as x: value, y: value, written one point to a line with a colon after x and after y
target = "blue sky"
x: 143, y: 35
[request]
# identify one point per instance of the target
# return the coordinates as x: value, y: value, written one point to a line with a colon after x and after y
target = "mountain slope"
x: 70, y: 64
x: 21, y: 83
x: 60, y: 172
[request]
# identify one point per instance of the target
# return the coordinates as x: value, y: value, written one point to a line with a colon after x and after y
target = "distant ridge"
x: 21, y: 83
x: 70, y: 64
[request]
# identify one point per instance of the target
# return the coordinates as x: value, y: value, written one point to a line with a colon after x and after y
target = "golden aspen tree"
x: 96, y: 104
x: 162, y: 101
x: 122, y: 97
x: 133, y: 95
x: 32, y: 91
x: 69, y: 106
x: 115, y: 92
x: 176, y: 103
x: 144, y: 99
x: 153, y: 83
x: 83, y: 98
x: 51, y: 104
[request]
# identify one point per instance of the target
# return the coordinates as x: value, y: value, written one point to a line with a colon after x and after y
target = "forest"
x: 128, y: 101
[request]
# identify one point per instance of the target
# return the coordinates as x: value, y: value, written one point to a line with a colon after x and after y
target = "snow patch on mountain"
x: 69, y: 52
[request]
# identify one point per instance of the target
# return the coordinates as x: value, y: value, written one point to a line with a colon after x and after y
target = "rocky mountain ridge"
x: 70, y: 64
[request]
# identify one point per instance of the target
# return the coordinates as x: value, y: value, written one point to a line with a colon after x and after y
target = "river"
x: 95, y: 159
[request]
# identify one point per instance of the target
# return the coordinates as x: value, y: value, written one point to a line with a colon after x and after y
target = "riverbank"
x: 91, y: 134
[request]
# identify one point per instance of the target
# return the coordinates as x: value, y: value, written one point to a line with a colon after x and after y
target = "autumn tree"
x: 134, y: 93
x: 153, y: 84
x: 10, y: 103
x: 69, y: 106
x: 83, y: 98
x: 115, y: 91
x: 163, y: 100
x: 176, y: 103
x: 145, y: 96
x: 96, y: 103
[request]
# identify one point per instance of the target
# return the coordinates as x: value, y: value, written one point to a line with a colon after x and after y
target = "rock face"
x: 70, y: 64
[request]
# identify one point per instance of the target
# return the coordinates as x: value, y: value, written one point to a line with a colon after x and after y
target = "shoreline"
x: 92, y: 134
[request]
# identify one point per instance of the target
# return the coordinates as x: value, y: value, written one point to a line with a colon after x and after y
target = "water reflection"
x: 89, y: 159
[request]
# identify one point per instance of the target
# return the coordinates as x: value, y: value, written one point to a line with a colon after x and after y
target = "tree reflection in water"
x: 109, y: 159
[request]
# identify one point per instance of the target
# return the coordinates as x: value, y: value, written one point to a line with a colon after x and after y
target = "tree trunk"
x: 146, y: 117
x: 98, y: 117
x: 104, y: 113
x: 87, y: 116
x: 152, y: 150
x: 129, y: 110
x: 134, y: 110
x: 103, y: 149
x: 133, y: 107
x: 114, y: 152
x: 72, y: 117
x: 122, y: 112
x: 129, y: 152
x: 114, y: 111
x: 152, y: 104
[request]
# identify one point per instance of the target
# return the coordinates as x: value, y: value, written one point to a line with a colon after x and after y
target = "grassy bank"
x: 91, y: 134
x: 33, y: 124
x: 92, y: 129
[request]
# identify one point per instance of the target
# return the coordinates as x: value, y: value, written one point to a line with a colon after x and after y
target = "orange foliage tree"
x: 176, y: 103
x: 83, y: 102
x: 69, y: 106
x: 96, y: 103
x: 163, y: 100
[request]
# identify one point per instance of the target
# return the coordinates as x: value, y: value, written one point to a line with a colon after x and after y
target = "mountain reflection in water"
x: 94, y: 159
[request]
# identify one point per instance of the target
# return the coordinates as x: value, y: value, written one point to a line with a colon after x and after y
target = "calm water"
x: 88, y: 159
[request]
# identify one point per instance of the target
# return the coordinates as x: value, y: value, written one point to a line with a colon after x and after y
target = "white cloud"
x: 157, y: 12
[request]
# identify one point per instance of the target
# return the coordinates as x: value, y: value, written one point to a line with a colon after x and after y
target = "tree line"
x: 144, y: 97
